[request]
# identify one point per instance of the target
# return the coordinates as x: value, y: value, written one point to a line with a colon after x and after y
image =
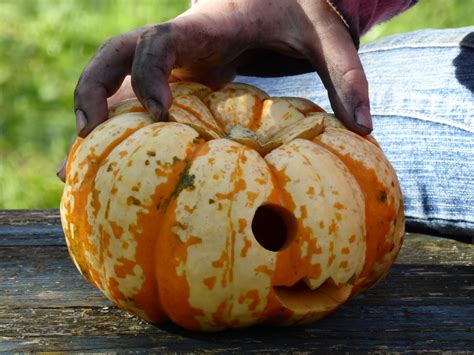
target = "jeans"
x: 422, y: 101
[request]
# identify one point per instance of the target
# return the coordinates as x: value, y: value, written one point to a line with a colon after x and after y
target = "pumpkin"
x: 241, y: 209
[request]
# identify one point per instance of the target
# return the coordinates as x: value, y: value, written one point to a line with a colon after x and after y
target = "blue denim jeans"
x: 422, y: 103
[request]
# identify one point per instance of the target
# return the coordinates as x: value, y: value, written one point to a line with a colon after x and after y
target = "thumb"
x: 338, y: 64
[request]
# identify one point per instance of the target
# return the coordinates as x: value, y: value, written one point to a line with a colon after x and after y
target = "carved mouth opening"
x: 301, y: 298
x: 274, y: 227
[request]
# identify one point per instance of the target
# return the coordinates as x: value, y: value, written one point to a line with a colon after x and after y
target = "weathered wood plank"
x: 354, y: 327
x: 45, y: 276
x: 425, y: 304
x: 30, y: 217
x: 29, y: 235
x: 428, y: 250
x: 42, y: 228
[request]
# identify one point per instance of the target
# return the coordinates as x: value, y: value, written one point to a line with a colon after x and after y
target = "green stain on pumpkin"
x: 185, y: 181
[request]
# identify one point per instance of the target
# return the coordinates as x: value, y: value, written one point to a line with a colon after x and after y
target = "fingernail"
x: 61, y: 173
x: 363, y: 118
x: 155, y: 109
x: 81, y: 121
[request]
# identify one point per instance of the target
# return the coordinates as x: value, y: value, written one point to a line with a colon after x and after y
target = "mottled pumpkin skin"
x: 159, y: 215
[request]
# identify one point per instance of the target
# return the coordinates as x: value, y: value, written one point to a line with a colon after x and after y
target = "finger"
x: 101, y: 78
x: 200, y: 47
x: 338, y: 64
x: 154, y: 59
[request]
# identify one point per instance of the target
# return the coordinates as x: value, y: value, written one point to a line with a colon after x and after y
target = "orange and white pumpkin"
x: 242, y: 209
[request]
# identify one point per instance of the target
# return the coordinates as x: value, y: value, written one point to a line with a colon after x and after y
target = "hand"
x: 214, y: 41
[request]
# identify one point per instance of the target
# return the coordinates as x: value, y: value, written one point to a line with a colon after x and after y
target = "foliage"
x: 426, y: 14
x: 44, y: 45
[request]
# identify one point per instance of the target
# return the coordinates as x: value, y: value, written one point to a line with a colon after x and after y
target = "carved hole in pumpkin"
x: 273, y: 227
x: 300, y: 298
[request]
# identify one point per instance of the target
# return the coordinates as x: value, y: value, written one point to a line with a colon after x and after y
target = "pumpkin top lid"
x: 242, y: 113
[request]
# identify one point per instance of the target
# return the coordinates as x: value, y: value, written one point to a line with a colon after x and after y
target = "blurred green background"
x: 45, y: 44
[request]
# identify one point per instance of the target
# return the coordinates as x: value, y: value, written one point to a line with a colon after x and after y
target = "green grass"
x: 45, y: 44
x: 426, y: 14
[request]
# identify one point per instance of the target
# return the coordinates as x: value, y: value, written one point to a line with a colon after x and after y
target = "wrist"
x: 238, y: 19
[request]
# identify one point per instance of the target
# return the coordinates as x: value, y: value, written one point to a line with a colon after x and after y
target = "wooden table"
x: 426, y: 303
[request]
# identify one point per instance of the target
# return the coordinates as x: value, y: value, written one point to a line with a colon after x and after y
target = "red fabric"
x: 361, y: 15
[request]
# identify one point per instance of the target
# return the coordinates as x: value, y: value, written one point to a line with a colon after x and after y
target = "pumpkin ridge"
x: 81, y: 243
x: 199, y: 117
x: 274, y: 311
x: 145, y: 300
x: 290, y: 285
x: 256, y: 120
x: 166, y: 278
x: 140, y: 295
x: 378, y: 214
x: 238, y: 181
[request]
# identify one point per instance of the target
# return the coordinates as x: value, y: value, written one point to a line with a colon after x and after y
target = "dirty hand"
x: 215, y: 40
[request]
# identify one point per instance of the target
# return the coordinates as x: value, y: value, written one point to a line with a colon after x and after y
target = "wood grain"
x: 426, y: 303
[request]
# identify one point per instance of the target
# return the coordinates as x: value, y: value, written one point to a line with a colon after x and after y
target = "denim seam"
x: 415, y: 115
x: 441, y: 219
x: 389, y: 48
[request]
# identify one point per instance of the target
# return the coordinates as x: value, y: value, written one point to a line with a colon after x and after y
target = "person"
x: 421, y: 84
